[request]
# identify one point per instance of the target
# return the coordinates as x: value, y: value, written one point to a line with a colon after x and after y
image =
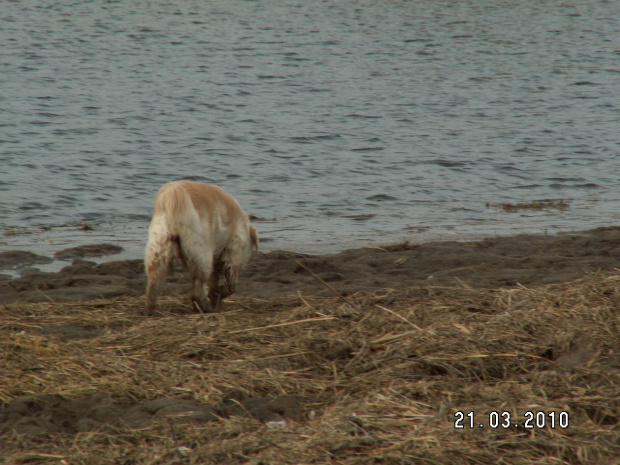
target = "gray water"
x: 343, y: 123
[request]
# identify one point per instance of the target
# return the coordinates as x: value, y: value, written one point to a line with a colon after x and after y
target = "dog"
x: 206, y: 229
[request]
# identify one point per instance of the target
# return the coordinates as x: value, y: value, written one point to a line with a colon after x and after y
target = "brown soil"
x: 524, y: 260
x: 290, y: 372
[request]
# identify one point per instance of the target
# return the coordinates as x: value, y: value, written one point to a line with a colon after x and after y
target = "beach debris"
x: 544, y: 204
x: 334, y: 291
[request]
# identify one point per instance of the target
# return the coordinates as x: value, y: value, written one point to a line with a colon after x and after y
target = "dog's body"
x: 208, y: 231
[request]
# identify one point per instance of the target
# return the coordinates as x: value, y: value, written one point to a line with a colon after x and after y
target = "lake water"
x: 344, y: 123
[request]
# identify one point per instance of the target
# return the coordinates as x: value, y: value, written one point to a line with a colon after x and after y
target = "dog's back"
x: 210, y: 201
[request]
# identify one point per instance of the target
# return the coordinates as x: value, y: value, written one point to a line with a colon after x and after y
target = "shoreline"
x: 46, y: 239
x: 491, y: 262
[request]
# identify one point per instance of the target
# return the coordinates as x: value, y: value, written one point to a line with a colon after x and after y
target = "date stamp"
x: 505, y: 420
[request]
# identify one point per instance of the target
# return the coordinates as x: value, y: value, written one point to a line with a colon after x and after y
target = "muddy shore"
x: 522, y: 260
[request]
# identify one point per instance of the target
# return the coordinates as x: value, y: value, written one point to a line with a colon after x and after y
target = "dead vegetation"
x: 375, y: 379
x: 535, y: 205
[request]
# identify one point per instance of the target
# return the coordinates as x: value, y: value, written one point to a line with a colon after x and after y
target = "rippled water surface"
x: 343, y: 122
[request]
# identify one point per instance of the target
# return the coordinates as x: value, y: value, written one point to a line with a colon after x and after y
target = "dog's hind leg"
x: 160, y: 251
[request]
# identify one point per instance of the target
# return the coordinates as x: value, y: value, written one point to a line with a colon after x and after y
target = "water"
x: 343, y: 123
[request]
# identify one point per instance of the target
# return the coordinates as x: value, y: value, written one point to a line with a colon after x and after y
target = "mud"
x: 523, y: 260
x: 101, y: 412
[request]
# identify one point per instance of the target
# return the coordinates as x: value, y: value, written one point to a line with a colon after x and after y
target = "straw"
x: 291, y: 383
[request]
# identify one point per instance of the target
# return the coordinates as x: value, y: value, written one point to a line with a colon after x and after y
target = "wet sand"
x: 515, y: 261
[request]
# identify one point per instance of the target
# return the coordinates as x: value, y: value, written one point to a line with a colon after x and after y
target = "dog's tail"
x: 174, y: 217
x: 175, y: 204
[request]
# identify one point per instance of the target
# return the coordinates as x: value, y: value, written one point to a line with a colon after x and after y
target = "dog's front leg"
x: 223, y: 282
x: 215, y: 289
x: 199, y: 299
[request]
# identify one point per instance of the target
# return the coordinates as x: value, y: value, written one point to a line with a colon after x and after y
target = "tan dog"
x: 208, y: 231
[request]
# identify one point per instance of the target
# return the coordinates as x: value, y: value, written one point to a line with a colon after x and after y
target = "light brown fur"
x: 207, y: 230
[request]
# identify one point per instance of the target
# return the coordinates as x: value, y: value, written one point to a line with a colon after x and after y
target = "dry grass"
x: 379, y: 378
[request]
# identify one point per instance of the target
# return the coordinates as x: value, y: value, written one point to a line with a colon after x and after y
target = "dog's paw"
x: 215, y: 297
x: 202, y: 305
x: 151, y: 310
